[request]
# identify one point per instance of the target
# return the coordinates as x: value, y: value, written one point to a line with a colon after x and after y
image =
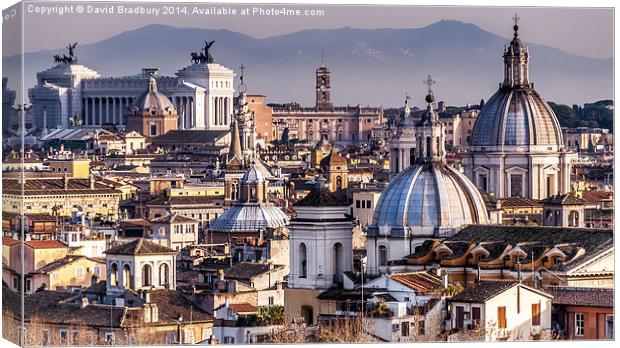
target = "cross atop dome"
x: 516, y: 18
x: 429, y: 82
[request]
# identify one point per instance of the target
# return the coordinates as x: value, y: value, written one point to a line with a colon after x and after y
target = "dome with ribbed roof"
x: 516, y: 114
x: 153, y: 102
x: 428, y: 198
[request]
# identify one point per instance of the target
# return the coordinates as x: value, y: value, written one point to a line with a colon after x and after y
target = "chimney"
x: 146, y: 296
x: 154, y: 313
x: 92, y: 182
x: 119, y: 302
x: 65, y: 179
x: 438, y: 271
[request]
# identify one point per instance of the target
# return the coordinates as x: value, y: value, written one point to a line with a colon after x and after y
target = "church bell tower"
x: 323, y: 88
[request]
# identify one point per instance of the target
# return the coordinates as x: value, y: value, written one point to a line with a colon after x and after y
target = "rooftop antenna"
x: 323, y: 58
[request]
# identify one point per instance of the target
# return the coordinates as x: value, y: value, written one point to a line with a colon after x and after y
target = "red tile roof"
x: 586, y: 297
x: 46, y: 244
x: 243, y: 307
x: 519, y: 202
x: 9, y: 241
x: 593, y: 197
x: 421, y: 282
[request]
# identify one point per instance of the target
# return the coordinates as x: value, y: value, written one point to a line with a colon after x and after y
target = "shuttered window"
x: 535, y: 314
x: 501, y: 317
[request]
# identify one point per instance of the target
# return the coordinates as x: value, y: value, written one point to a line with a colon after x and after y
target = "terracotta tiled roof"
x: 187, y: 200
x: 587, y: 297
x: 565, y: 199
x: 592, y: 241
x: 243, y: 308
x: 333, y: 159
x: 46, y: 244
x: 67, y: 260
x: 519, y: 202
x: 139, y: 246
x: 133, y: 223
x: 594, y: 197
x: 172, y: 219
x: 52, y: 186
x: 9, y: 241
x: 421, y: 282
x: 247, y: 270
x: 200, y: 137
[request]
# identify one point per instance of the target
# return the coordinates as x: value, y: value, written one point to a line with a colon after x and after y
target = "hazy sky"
x: 583, y: 31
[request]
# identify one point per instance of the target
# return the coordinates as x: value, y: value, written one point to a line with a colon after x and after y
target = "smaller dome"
x: 250, y: 218
x: 152, y: 101
x: 406, y: 122
x: 430, y: 98
x: 253, y: 176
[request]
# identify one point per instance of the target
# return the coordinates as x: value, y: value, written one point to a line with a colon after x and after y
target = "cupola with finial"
x: 429, y: 132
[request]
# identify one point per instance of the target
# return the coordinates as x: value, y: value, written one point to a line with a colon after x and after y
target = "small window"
x: 63, y: 336
x: 109, y: 337
x: 271, y: 301
x: 579, y: 324
x: 188, y: 336
x: 404, y: 329
x: 609, y: 326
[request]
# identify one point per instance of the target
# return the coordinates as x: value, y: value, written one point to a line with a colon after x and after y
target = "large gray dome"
x: 516, y: 116
x: 428, y: 199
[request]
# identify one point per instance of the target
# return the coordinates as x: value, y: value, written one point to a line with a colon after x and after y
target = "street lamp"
x: 179, y: 321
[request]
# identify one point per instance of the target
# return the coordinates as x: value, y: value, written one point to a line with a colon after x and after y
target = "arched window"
x: 126, y: 276
x: 114, y: 275
x: 303, y: 261
x: 164, y: 273
x: 235, y: 190
x: 382, y: 255
x: 339, y: 182
x: 338, y: 262
x: 147, y: 275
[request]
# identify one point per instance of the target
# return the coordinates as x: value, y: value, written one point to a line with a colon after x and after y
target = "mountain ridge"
x: 369, y: 66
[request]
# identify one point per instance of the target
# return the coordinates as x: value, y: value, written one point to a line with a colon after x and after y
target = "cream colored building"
x: 61, y: 196
x: 506, y: 310
x: 175, y: 231
x: 363, y: 205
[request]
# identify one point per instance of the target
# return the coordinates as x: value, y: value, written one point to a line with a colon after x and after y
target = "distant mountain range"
x: 369, y: 66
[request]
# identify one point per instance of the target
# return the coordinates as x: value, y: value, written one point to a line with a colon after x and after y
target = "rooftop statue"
x: 205, y: 56
x: 70, y: 59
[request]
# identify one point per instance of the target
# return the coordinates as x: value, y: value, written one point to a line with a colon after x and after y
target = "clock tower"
x: 323, y: 88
